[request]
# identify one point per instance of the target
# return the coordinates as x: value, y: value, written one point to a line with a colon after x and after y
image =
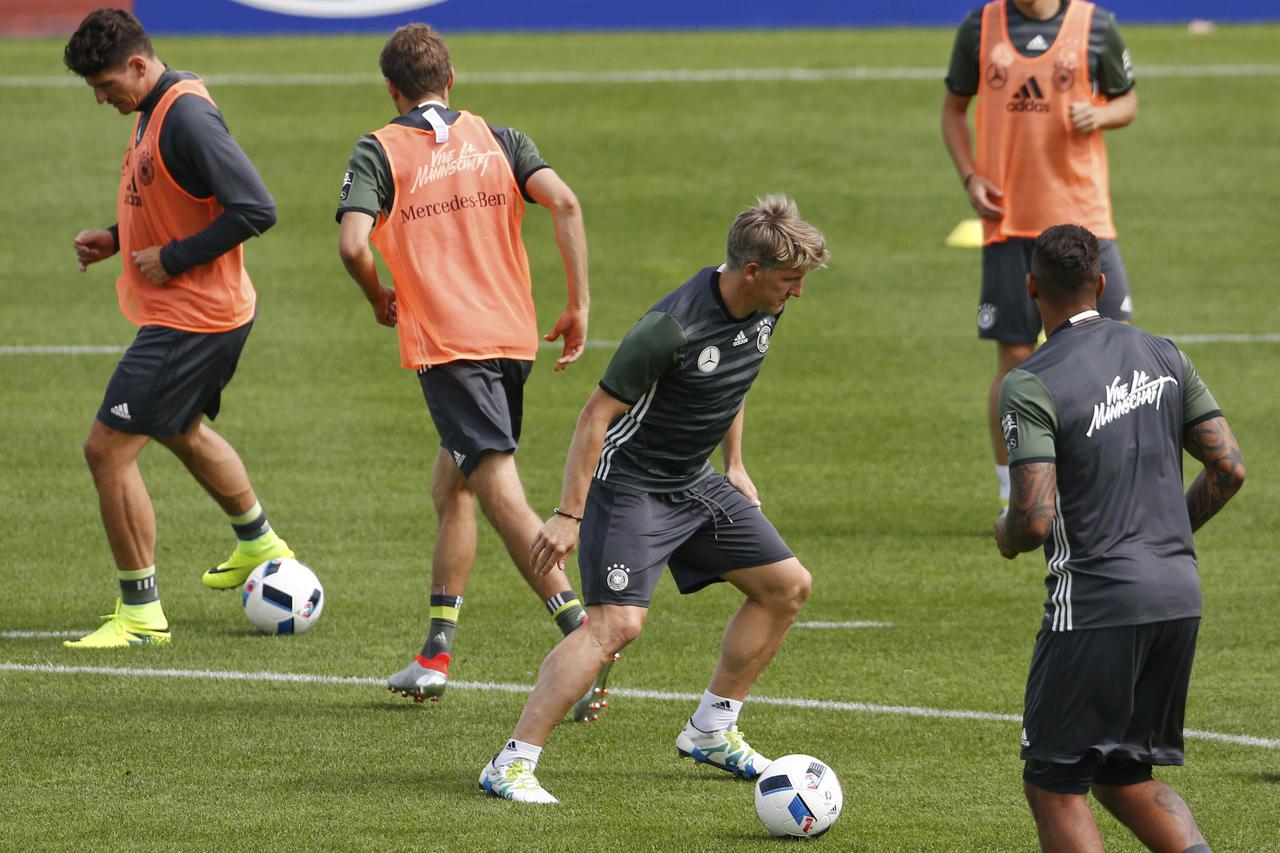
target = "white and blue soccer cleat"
x: 515, y: 782
x: 727, y: 750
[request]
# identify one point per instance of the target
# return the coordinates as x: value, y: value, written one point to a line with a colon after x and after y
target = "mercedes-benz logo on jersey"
x: 762, y: 336
x: 709, y: 359
x: 1009, y: 426
x: 997, y: 76
x: 347, y: 178
x: 618, y: 578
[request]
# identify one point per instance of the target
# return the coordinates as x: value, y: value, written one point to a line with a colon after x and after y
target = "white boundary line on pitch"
x: 37, y: 635
x: 640, y: 75
x: 854, y: 624
x: 498, y: 687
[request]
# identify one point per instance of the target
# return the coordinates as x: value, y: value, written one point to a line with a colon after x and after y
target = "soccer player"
x: 441, y: 192
x: 1095, y: 423
x: 638, y: 485
x: 1050, y: 76
x: 189, y: 197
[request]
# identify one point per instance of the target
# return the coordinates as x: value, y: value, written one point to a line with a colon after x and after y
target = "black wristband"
x: 559, y: 511
x: 965, y: 181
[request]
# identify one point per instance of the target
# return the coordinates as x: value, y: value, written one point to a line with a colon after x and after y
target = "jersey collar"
x: 1076, y: 319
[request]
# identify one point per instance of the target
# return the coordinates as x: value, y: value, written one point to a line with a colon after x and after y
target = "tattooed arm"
x: 1032, y: 507
x: 1212, y: 443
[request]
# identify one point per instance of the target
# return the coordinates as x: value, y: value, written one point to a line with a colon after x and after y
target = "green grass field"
x: 866, y: 435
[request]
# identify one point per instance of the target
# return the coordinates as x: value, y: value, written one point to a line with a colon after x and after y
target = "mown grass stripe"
x: 500, y: 687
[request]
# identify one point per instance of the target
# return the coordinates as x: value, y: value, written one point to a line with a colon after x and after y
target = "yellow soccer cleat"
x: 118, y: 632
x: 232, y: 572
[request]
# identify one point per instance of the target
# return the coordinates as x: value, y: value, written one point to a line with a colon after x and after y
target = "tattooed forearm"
x: 1213, y: 444
x: 1033, y: 504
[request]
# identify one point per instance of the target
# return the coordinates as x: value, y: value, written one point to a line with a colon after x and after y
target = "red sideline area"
x: 49, y: 17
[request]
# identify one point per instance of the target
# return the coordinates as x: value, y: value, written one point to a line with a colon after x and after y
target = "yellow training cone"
x: 966, y: 235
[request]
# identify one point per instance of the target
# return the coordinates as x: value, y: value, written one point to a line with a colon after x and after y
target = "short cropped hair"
x: 104, y: 41
x: 1065, y: 259
x: 773, y: 235
x: 416, y: 60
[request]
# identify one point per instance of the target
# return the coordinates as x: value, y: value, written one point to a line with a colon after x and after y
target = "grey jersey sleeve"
x: 1197, y: 403
x: 206, y: 161
x: 1028, y: 418
x: 655, y: 344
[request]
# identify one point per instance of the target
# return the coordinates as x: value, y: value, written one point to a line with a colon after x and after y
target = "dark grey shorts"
x: 476, y: 406
x: 168, y: 377
x: 701, y: 533
x: 1110, y: 695
x: 1007, y: 314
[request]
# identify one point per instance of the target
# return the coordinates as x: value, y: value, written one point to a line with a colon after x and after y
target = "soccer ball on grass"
x: 798, y: 796
x: 283, y: 597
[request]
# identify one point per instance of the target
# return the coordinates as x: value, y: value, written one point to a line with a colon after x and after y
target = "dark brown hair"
x: 416, y: 60
x: 105, y: 40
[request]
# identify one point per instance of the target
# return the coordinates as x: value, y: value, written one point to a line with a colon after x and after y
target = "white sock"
x: 715, y: 713
x: 1002, y: 474
x: 518, y: 749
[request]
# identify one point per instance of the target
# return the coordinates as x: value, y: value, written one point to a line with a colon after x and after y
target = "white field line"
x: 1227, y: 339
x: 498, y: 687
x: 37, y: 635
x: 656, y: 75
x: 855, y: 624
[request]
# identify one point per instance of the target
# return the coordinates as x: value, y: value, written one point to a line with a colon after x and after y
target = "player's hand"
x: 1002, y: 538
x: 1084, y: 116
x: 572, y: 325
x: 982, y: 197
x: 384, y: 305
x: 740, y: 480
x: 551, y: 547
x: 93, y: 246
x: 148, y: 262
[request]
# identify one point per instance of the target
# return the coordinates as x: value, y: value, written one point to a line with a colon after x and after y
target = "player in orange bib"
x: 1050, y: 76
x: 441, y: 193
x: 188, y: 198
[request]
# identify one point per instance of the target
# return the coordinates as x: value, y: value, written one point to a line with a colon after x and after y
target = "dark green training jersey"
x: 1110, y: 67
x: 1108, y: 404
x: 685, y: 367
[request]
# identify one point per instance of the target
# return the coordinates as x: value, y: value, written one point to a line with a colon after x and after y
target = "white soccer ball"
x: 798, y: 796
x: 283, y: 597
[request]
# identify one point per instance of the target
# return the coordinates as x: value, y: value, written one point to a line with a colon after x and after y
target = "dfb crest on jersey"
x: 1009, y: 426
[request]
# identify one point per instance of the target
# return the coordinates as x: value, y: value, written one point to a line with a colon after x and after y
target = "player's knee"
x: 615, y: 629
x: 450, y: 499
x: 794, y: 590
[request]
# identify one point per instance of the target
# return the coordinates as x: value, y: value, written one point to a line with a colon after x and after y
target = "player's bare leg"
x: 1008, y: 356
x: 1155, y: 813
x: 565, y: 673
x: 496, y: 483
x: 220, y: 471
x: 130, y: 524
x: 775, y: 593
x: 215, y: 465
x: 1063, y: 821
x: 571, y: 666
x: 452, y: 560
x: 125, y: 506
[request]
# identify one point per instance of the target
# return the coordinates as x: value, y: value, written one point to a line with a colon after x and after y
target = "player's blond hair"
x: 773, y: 235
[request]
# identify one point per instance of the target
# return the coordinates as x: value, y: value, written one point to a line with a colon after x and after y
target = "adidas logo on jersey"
x: 740, y: 338
x: 1028, y: 99
x: 121, y: 411
x: 1038, y: 43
